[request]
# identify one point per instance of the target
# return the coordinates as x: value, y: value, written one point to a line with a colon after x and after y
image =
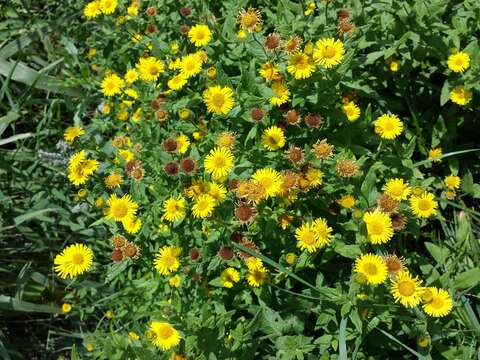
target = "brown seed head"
x: 292, y: 117
x: 347, y: 168
x: 117, y: 255
x: 313, y: 120
x: 257, y: 114
x: 170, y: 145
x: 225, y: 253
x: 172, y: 168
x: 188, y: 165
x: 151, y: 11
x: 272, y: 42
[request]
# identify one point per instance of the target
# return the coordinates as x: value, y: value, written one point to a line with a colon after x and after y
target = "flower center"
x: 329, y: 52
x: 437, y: 302
x: 301, y: 63
x: 200, y: 35
x: 370, y: 269
x: 423, y: 205
x: 375, y: 228
x: 396, y: 190
x: 165, y: 332
x: 202, y: 205
x: 168, y: 261
x: 153, y: 70
x: 266, y: 182
x: 388, y: 126
x: 406, y: 288
x: 218, y: 100
x: 77, y: 259
x: 249, y: 20
x: 219, y: 161
x: 119, y: 210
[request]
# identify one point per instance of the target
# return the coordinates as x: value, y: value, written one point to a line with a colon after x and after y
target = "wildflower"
x: 132, y: 225
x: 219, y: 100
x: 310, y: 8
x: 424, y: 205
x: 372, y: 267
x: 347, y: 168
x: 72, y: 133
x: 292, y: 117
x: 219, y: 162
x: 229, y: 277
x: 269, y: 179
x: 351, y: 110
x: 80, y: 168
x: 292, y: 45
x: 281, y: 91
x: 393, y: 64
x: 74, y: 260
x: 440, y: 303
x: 452, y: 182
x: 199, y: 35
x: 164, y: 335
x: 244, y: 213
x: 175, y: 281
x: 313, y: 120
x: 323, y: 150
x: 174, y: 208
x: 272, y: 41
x: 177, y: 82
x: 226, y: 139
x: 379, y: 227
x: 257, y: 277
x: 250, y: 19
x: 92, y: 9
x: 113, y: 180
x: 112, y: 85
x: 270, y: 71
x: 388, y: 126
x: 66, y: 308
x: 397, y: 189
x: 108, y: 6
x: 273, y: 138
x: 406, y: 289
x: 460, y: 95
x: 459, y: 62
x: 120, y: 209
x: 183, y: 143
x: 328, y: 52
x: 300, y: 65
x: 203, y: 206
x: 150, y: 68
x: 395, y: 264
x: 347, y: 201
x: 166, y: 259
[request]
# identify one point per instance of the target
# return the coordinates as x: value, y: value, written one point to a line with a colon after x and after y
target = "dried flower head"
x: 289, y: 181
x: 347, y: 168
x: 323, y: 150
x: 172, y: 168
x: 249, y: 245
x: 293, y: 44
x: 395, y: 264
x: 295, y: 155
x: 245, y: 213
x: 184, y: 29
x: 138, y: 173
x: 399, y: 221
x: 345, y: 27
x: 292, y: 117
x: 170, y: 145
x: 132, y: 165
x: 313, y: 120
x: 161, y: 115
x: 151, y: 11
x: 272, y: 41
x: 257, y: 114
x: 194, y: 254
x: 118, y: 241
x: 151, y: 29
x: 343, y: 13
x: 225, y: 253
x: 249, y: 20
x: 117, y: 255
x: 226, y: 139
x: 188, y: 165
x: 387, y: 204
x: 131, y: 251
x: 185, y: 11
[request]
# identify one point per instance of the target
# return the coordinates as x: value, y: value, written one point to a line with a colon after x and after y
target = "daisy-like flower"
x: 219, y: 162
x: 199, y: 35
x: 229, y: 277
x: 217, y: 192
x: 92, y: 10
x: 113, y: 180
x: 163, y: 335
x: 307, y: 237
x: 439, y: 303
x: 257, y: 277
x: 219, y: 99
x: 177, y: 82
x: 452, y: 182
x: 249, y: 20
x: 347, y: 201
x: 292, y: 45
x: 270, y: 71
x: 281, y: 91
x: 112, y: 85
x: 131, y: 76
x: 435, y: 154
x: 166, y: 260
x: 72, y: 133
x: 183, y: 143
x: 132, y: 225
x: 460, y: 96
x: 174, y: 208
x: 74, y: 260
x: 150, y: 68
x: 372, y: 267
x: 269, y: 179
x: 351, y: 111
x: 397, y: 189
x: 459, y: 62
x: 273, y: 138
x: 328, y: 52
x: 379, y: 227
x: 108, y: 6
x: 226, y: 139
x: 300, y: 65
x: 406, y: 289
x: 388, y: 126
x: 324, y: 232
x: 80, y: 168
x: 121, y: 209
x: 203, y: 206
x: 423, y: 205
x: 395, y: 264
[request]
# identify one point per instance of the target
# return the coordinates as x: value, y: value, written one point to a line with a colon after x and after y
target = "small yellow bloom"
x: 66, y: 308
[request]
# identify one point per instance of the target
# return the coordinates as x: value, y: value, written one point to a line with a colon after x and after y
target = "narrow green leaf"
x: 11, y: 304
x: 32, y: 215
x: 15, y: 138
x: 467, y: 279
x: 342, y: 344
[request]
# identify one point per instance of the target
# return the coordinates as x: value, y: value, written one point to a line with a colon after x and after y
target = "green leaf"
x: 11, y: 304
x: 33, y: 215
x: 342, y: 348
x: 467, y: 279
x: 440, y: 254
x: 445, y: 94
x: 15, y: 138
x: 7, y: 119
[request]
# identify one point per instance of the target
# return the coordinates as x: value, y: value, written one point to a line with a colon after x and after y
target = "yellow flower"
x: 175, y: 281
x: 80, y: 168
x: 461, y: 96
x: 199, y: 35
x: 226, y: 139
x: 212, y: 73
x: 307, y: 237
x: 166, y: 259
x: 379, y: 227
x: 393, y: 64
x: 150, y: 68
x: 372, y: 267
x: 219, y: 100
x: 66, y: 308
x: 423, y: 341
x: 183, y: 143
x: 351, y: 110
x: 112, y: 85
x: 452, y: 182
x: 73, y: 132
x: 435, y: 154
x: 184, y: 113
x: 241, y: 34
x: 459, y: 62
x: 133, y: 335
x: 177, y: 82
x: 270, y: 71
x: 190, y: 65
x: 91, y: 53
x: 113, y: 180
x: 323, y: 232
x: 314, y: 177
x: 92, y: 10
x: 328, y: 52
x: 397, y: 189
x: 310, y: 8
x: 406, y: 289
x: 203, y: 206
x: 347, y: 201
x: 257, y: 277
x: 273, y: 138
x: 270, y: 180
x: 174, y: 46
x: 120, y: 209
x: 108, y: 6
x: 74, y: 260
x: 423, y: 205
x: 281, y: 93
x: 219, y: 162
x: 291, y: 258
x: 217, y: 192
x: 300, y: 65
x: 164, y: 335
x: 174, y: 209
x: 131, y: 76
x: 249, y: 20
x: 132, y: 225
x: 388, y: 126
x: 440, y: 304
x: 229, y: 277
x: 132, y: 10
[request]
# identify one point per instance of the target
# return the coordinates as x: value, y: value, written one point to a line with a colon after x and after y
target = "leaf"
x: 467, y: 279
x: 114, y: 270
x: 11, y: 304
x: 15, y: 138
x: 348, y: 251
x: 32, y: 215
x: 437, y: 252
x: 7, y: 119
x: 342, y: 348
x: 373, y: 56
x: 368, y: 187
x: 445, y: 94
